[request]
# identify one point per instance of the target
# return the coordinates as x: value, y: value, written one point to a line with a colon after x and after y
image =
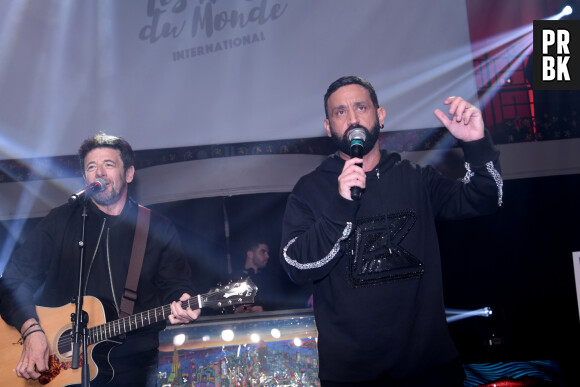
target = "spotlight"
x: 179, y: 339
x: 227, y: 335
x: 459, y: 314
x: 567, y: 10
x: 275, y: 333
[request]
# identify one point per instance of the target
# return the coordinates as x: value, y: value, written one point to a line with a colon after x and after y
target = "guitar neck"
x: 232, y: 294
x: 127, y: 324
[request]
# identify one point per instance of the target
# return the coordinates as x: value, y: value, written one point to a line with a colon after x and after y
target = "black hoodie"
x: 378, y: 299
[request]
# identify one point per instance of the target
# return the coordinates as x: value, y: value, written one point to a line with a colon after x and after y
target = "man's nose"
x: 351, y: 117
x: 100, y: 171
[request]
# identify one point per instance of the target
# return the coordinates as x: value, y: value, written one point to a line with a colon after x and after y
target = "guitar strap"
x: 137, y: 255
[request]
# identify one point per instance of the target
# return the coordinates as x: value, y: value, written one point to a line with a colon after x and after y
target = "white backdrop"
x: 179, y: 73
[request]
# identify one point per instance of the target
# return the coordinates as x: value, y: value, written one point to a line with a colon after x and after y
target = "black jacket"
x: 378, y: 299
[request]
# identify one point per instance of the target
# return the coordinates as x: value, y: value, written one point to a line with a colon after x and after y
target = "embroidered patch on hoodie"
x: 376, y: 257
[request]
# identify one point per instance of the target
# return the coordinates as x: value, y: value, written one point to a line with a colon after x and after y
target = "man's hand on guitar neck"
x: 35, y: 351
x: 180, y: 315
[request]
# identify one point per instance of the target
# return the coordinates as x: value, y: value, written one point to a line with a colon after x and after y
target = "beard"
x: 343, y: 144
x: 106, y: 198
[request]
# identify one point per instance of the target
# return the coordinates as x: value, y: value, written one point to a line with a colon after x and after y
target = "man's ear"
x: 130, y: 174
x: 382, y: 113
x: 327, y: 127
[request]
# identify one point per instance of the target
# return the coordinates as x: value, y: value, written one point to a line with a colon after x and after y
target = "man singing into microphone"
x: 45, y: 270
x: 374, y: 261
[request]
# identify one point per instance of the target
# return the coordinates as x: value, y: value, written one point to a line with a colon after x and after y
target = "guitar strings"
x: 104, y: 330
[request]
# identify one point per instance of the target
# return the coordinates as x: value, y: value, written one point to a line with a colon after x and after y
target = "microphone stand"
x: 80, y: 318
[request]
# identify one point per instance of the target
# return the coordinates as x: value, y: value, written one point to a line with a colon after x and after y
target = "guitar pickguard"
x: 55, y: 367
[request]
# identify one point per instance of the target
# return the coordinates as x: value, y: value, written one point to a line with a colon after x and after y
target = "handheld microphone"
x: 98, y: 185
x: 357, y: 138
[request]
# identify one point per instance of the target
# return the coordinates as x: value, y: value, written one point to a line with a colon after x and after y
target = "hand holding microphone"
x: 357, y: 138
x: 98, y: 185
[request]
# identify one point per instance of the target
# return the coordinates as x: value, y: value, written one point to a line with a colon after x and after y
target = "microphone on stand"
x: 357, y: 138
x: 98, y: 185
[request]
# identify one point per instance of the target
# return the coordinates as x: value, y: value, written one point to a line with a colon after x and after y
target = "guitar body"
x: 56, y: 323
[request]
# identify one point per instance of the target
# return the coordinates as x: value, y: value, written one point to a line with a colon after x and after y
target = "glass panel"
x: 266, y: 349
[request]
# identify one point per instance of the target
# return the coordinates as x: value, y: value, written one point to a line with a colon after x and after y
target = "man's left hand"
x: 466, y: 123
x: 182, y: 316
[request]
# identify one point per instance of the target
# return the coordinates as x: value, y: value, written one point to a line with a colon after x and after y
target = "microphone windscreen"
x: 357, y: 134
x: 99, y: 185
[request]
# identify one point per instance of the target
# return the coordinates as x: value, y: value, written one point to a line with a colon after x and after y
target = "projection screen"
x: 174, y: 73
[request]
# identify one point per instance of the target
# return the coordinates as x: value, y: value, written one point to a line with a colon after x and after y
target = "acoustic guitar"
x: 102, y: 336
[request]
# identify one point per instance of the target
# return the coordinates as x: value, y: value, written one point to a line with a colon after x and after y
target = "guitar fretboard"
x: 139, y: 320
x: 229, y: 295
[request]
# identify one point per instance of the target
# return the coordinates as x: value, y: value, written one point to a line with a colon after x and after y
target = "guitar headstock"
x: 235, y: 293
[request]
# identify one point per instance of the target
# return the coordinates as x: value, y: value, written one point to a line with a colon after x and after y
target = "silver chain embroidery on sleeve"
x: 498, y: 181
x: 494, y: 173
x: 323, y: 261
x: 468, y: 174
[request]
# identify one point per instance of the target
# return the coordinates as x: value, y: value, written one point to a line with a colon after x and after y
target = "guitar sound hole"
x: 64, y: 345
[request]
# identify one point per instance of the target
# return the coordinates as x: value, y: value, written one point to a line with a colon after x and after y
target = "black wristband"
x: 30, y: 326
x: 31, y: 332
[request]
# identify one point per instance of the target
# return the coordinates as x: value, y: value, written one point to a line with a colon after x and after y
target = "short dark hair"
x: 350, y: 80
x: 103, y: 140
x: 252, y: 246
